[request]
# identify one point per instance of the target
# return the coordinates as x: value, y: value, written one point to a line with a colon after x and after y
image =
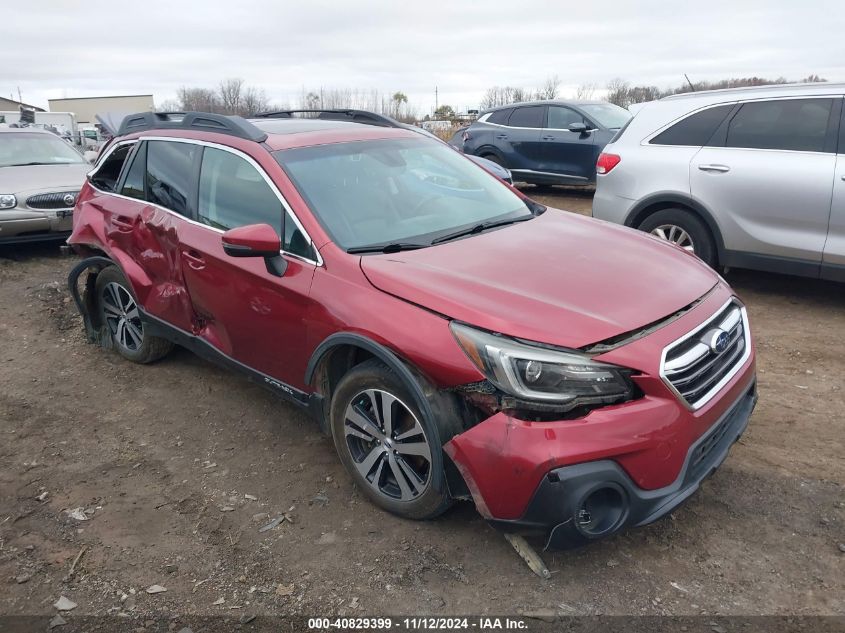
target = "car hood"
x: 43, y: 177
x: 560, y: 279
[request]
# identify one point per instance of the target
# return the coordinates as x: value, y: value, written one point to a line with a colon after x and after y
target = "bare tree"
x: 170, y: 105
x: 617, y: 92
x: 254, y: 101
x: 585, y: 91
x: 550, y: 88
x: 198, y: 100
x: 230, y: 95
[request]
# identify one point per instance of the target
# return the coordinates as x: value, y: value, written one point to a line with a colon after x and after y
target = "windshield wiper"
x: 32, y: 163
x: 394, y: 247
x: 478, y: 228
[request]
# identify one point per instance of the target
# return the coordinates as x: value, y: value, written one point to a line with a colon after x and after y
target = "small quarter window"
x: 696, y: 129
x: 500, y: 117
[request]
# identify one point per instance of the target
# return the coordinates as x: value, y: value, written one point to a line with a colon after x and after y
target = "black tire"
x: 374, y: 376
x: 493, y: 158
x: 702, y: 240
x: 114, y: 291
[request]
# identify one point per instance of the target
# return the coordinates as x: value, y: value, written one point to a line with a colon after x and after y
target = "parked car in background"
x: 40, y: 177
x: 545, y: 142
x: 455, y: 338
x: 748, y: 177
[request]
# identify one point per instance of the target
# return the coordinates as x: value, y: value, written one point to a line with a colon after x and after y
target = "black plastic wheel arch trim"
x: 85, y: 304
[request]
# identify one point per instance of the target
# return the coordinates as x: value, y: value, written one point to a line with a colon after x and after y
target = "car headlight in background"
x: 536, y: 373
x: 8, y: 201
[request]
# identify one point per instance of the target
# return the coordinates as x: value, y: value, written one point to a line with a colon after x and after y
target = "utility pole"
x: 436, y: 104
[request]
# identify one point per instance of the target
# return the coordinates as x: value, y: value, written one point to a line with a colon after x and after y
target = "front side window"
x: 560, y: 117
x: 529, y: 116
x: 786, y: 124
x: 396, y: 190
x: 233, y: 193
x: 36, y: 148
x: 168, y: 179
x: 608, y: 115
x: 696, y: 129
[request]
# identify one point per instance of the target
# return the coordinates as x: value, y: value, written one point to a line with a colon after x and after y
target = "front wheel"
x: 391, y: 451
x: 684, y: 229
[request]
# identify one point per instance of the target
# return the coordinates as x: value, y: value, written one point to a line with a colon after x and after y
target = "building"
x: 7, y: 105
x: 87, y: 108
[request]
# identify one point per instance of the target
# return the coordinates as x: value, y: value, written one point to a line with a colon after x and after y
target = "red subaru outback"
x: 456, y: 339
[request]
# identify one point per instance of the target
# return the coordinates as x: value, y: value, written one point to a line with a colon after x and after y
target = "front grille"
x: 50, y: 201
x: 697, y: 365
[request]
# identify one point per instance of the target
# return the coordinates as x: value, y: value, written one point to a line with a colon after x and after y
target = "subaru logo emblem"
x: 69, y: 199
x: 717, y: 341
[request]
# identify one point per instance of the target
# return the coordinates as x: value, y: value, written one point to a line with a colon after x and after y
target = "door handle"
x: 194, y: 259
x: 843, y: 176
x: 501, y: 137
x: 548, y: 138
x: 713, y: 167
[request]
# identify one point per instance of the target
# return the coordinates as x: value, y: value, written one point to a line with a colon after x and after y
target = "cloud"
x: 56, y: 49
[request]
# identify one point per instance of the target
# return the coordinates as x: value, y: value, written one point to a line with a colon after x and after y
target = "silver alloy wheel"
x: 122, y: 317
x: 388, y: 445
x: 676, y: 235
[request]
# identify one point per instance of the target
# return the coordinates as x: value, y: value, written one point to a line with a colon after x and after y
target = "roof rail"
x: 198, y: 121
x: 341, y: 114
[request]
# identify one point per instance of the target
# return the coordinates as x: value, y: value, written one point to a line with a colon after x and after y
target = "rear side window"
x: 529, y: 116
x: 234, y: 193
x: 107, y: 174
x: 561, y: 118
x: 169, y: 168
x: 787, y: 124
x: 133, y: 184
x: 500, y: 117
x: 696, y: 129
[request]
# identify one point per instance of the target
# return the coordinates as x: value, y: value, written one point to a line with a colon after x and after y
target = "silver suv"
x: 749, y: 177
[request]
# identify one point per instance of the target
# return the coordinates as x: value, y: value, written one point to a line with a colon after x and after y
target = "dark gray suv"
x: 545, y: 142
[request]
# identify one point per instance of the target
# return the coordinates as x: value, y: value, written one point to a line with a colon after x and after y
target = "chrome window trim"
x: 707, y: 397
x: 251, y: 161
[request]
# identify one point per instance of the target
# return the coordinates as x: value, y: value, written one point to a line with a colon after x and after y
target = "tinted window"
x: 530, y: 116
x: 561, y: 118
x: 500, y: 117
x: 791, y: 124
x: 133, y: 185
x: 233, y: 193
x: 168, y: 181
x: 694, y: 130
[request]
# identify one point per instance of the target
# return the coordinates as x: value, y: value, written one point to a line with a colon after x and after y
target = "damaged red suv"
x: 456, y: 339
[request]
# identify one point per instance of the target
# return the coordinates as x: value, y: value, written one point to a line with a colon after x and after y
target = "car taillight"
x: 606, y: 162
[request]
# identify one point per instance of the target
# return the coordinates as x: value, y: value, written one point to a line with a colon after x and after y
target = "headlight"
x: 7, y: 201
x: 536, y: 373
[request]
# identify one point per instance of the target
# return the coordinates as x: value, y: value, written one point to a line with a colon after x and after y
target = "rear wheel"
x: 118, y: 311
x: 684, y: 229
x: 391, y: 451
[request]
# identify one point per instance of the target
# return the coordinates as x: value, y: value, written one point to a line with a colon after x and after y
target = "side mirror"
x: 256, y: 240
x: 580, y: 128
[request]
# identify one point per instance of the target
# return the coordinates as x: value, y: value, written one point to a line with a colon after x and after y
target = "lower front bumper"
x: 575, y: 505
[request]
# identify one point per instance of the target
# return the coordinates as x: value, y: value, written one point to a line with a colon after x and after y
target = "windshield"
x: 608, y: 115
x: 28, y: 148
x: 408, y: 191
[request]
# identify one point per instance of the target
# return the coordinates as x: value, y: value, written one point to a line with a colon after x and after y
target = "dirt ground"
x: 176, y: 467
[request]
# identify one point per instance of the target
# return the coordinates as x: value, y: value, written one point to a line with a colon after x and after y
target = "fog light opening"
x: 601, y: 511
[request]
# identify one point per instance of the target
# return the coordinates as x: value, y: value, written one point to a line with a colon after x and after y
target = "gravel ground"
x: 174, y: 467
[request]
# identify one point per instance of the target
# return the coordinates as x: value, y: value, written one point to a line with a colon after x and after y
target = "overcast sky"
x: 75, y: 49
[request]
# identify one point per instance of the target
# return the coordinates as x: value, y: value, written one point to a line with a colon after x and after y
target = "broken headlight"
x: 537, y: 373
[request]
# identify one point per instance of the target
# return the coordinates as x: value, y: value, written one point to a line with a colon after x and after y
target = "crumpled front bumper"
x: 577, y: 504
